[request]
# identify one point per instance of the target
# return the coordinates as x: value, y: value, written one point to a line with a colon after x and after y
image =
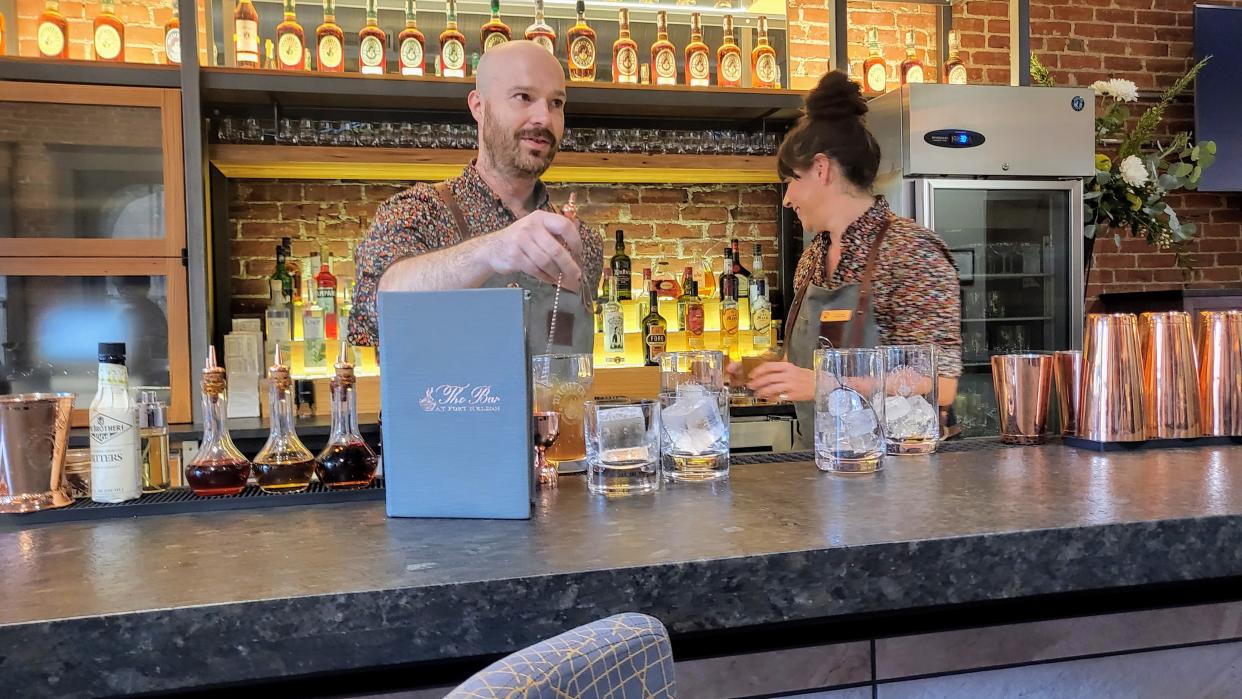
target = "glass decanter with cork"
x: 283, y: 465
x: 218, y: 467
x: 347, y: 462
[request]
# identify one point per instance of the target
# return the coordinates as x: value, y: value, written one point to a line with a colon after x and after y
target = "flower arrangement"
x: 1128, y: 190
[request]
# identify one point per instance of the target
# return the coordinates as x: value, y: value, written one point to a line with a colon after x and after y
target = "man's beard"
x: 507, y: 153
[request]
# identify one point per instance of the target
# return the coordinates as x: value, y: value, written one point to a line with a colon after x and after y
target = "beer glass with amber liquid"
x: 562, y: 384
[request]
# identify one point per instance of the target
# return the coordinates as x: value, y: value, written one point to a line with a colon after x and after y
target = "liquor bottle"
x: 663, y: 53
x: 269, y: 62
x: 452, y: 46
x: 116, y: 472
x: 314, y: 344
x: 329, y: 42
x: 153, y: 442
x: 763, y: 60
x: 729, y: 58
x: 757, y: 276
x: 53, y: 32
x: 246, y: 28
x: 345, y: 310
x: 620, y: 264
x: 912, y: 67
x: 760, y: 316
x: 371, y: 41
x: 172, y: 37
x: 605, y: 285
x: 708, y: 288
x: 540, y: 31
x: 2, y: 33
x: 580, y: 45
x: 954, y: 68
x: 727, y: 274
x: 277, y: 320
x: 642, y: 297
x: 624, y: 52
x: 741, y: 275
x: 411, y: 44
x: 655, y: 332
x: 614, y: 322
x: 306, y: 60
x: 694, y: 318
x: 346, y: 462
x: 284, y: 464
x: 683, y: 301
x: 281, y: 273
x: 729, y: 318
x: 290, y: 40
x: 109, y: 34
x: 325, y: 283
x: 698, y: 62
x: 495, y: 32
x: 218, y: 467
x: 875, y: 71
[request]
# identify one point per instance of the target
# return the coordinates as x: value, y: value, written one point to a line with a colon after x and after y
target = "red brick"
x: 268, y: 229
x: 704, y: 213
x: 1133, y: 275
x: 612, y: 195
x: 653, y: 212
x: 769, y: 197
x: 254, y: 212
x: 663, y: 196
x: 1073, y: 13
x: 1221, y: 274
x: 1113, y: 261
x: 1217, y: 245
x: 679, y: 230
x: 1114, y: 16
x: 721, y: 197
x: 254, y: 248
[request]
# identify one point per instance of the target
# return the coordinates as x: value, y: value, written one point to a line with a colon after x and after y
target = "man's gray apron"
x: 821, y: 318
x: 575, y: 325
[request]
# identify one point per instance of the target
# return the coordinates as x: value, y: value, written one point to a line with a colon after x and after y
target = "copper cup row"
x: 1139, y: 379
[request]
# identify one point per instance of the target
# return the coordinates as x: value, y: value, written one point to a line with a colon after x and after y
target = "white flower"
x: 1133, y: 171
x: 1123, y: 90
x: 1102, y: 88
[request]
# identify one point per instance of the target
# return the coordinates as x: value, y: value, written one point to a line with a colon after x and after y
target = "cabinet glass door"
x: 1018, y: 250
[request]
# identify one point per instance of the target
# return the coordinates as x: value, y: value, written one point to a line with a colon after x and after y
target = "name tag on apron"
x: 563, y: 334
x: 832, y: 325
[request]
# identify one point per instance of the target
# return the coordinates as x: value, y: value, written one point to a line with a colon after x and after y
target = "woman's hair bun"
x: 835, y: 98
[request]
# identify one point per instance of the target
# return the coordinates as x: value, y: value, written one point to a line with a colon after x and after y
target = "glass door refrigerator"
x: 997, y: 172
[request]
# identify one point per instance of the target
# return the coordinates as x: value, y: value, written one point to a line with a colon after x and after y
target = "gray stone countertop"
x: 162, y: 603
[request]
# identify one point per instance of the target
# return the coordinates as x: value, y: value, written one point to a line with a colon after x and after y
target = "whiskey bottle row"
x: 580, y: 47
x: 911, y: 70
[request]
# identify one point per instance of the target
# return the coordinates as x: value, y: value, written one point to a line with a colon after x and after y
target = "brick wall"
x: 1151, y: 43
x: 674, y: 224
x: 144, y: 28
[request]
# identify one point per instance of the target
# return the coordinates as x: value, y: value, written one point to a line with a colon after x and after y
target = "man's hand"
x: 542, y: 244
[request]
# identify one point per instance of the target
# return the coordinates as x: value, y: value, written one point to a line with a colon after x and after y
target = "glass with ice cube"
x: 695, y: 444
x: 623, y: 447
x: 849, y: 410
x: 911, y: 413
x: 698, y: 368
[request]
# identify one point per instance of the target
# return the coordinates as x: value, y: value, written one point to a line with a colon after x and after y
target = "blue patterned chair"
x: 626, y: 656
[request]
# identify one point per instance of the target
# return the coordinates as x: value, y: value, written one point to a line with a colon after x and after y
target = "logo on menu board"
x: 459, y: 398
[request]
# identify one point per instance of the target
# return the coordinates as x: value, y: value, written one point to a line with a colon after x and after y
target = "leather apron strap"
x: 446, y: 196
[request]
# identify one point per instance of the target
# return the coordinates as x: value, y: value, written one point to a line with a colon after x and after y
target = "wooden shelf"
x: 89, y: 72
x: 361, y: 163
x: 232, y: 86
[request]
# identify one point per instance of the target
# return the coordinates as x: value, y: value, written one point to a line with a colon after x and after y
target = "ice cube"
x: 859, y: 422
x: 622, y: 427
x: 843, y: 401
x: 693, y: 422
x: 895, y: 408
x: 626, y: 455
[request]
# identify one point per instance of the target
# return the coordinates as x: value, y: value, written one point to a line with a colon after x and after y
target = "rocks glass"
x: 849, y: 410
x: 695, y: 440
x: 698, y: 368
x: 623, y: 447
x: 911, y: 415
x: 562, y: 384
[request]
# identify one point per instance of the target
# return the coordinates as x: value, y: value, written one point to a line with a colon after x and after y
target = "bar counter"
x: 192, y: 601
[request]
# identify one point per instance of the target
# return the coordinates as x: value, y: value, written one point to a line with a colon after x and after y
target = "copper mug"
x: 1023, y: 385
x: 1111, y: 407
x: 1220, y: 372
x: 1170, y: 376
x: 1067, y: 370
x: 34, y: 434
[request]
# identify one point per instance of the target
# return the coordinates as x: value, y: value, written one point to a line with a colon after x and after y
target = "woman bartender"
x: 869, y: 277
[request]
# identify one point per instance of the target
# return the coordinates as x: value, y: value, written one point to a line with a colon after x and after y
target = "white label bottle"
x: 116, y: 468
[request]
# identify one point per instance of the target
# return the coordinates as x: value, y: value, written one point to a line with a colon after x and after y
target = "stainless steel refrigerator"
x: 996, y: 171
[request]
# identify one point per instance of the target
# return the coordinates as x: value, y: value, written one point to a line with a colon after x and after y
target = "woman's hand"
x: 782, y: 381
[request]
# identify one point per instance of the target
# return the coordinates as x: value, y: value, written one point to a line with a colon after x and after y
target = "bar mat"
x: 1091, y: 445
x: 957, y: 445
x: 182, y: 501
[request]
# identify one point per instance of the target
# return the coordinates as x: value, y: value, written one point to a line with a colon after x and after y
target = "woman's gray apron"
x: 575, y: 326
x: 821, y: 317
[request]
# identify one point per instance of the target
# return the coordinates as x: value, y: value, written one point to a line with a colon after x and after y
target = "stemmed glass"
x: 546, y: 427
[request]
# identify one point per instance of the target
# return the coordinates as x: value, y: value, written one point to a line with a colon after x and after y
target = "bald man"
x: 493, y: 226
